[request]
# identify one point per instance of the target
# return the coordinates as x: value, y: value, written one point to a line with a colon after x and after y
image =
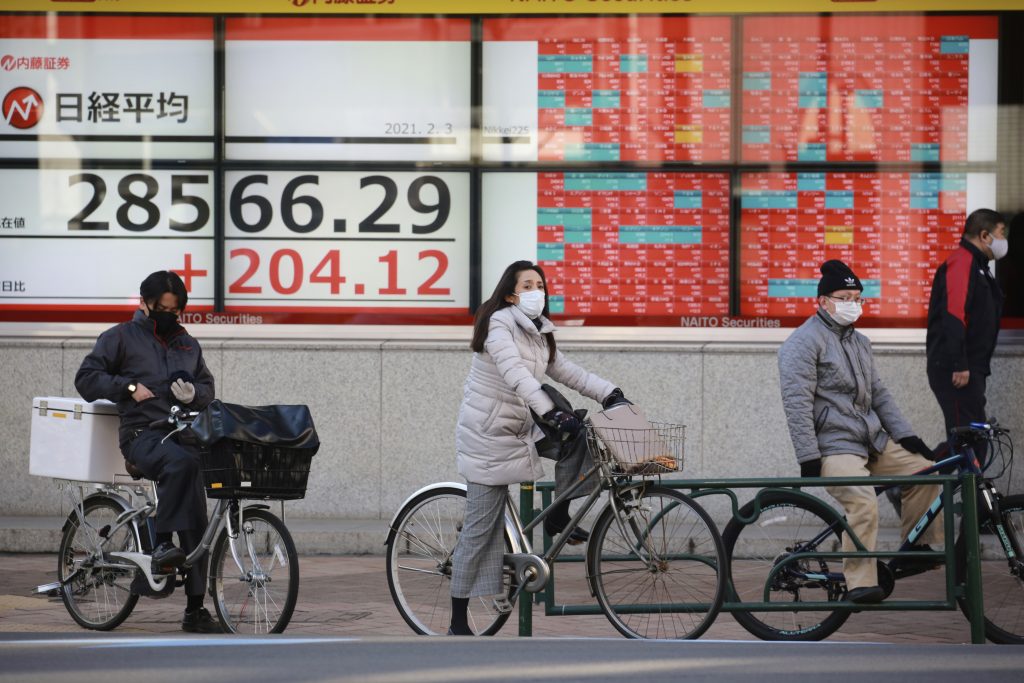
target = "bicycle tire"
x: 99, y: 599
x: 753, y: 551
x: 248, y: 599
x: 1002, y: 589
x: 419, y: 565
x: 662, y: 574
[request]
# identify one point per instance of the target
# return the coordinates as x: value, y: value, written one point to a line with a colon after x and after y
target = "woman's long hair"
x: 507, y: 287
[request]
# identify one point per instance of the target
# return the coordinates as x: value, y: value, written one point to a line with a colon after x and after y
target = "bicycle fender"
x: 510, y: 524
x: 113, y: 498
x: 428, y: 487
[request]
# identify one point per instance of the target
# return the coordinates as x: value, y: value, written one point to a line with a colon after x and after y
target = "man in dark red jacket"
x: 145, y: 366
x: 963, y: 320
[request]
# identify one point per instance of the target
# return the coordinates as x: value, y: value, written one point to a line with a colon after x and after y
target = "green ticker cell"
x: 591, y: 151
x: 633, y: 64
x: 578, y: 117
x: 550, y: 99
x: 607, y: 99
x: 565, y: 64
x: 550, y: 252
x: 660, y: 234
x: 566, y: 217
x: 577, y: 236
x: 606, y: 181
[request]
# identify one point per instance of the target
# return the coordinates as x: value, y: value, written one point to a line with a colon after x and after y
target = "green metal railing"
x: 970, y: 591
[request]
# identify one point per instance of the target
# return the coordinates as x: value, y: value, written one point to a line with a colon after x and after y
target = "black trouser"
x: 960, y: 406
x: 182, y: 500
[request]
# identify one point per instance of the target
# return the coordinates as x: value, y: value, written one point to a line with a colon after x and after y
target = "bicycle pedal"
x: 502, y: 605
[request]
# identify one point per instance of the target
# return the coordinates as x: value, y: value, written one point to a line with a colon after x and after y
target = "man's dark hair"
x: 159, y: 283
x: 982, y: 219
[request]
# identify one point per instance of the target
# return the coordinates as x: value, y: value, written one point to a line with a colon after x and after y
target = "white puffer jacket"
x: 495, y: 434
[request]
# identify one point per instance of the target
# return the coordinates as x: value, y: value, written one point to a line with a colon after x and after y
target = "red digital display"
x: 860, y: 88
x: 634, y: 244
x: 892, y: 229
x: 627, y: 89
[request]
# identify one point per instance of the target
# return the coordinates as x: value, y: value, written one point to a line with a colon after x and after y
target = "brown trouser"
x: 861, y: 503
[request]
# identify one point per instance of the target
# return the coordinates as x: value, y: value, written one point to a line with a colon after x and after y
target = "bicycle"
x: 654, y: 562
x: 783, y: 523
x: 104, y: 559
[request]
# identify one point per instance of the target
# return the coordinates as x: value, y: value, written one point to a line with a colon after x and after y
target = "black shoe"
x: 903, y: 567
x: 578, y: 535
x: 167, y: 558
x: 200, y: 621
x: 459, y: 631
x: 866, y: 595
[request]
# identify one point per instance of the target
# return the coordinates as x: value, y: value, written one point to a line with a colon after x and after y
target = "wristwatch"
x: 131, y: 389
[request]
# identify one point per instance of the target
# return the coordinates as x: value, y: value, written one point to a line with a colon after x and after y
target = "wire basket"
x: 639, y: 452
x: 236, y: 469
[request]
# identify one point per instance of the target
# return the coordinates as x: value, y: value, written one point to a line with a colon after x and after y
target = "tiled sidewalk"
x: 348, y: 596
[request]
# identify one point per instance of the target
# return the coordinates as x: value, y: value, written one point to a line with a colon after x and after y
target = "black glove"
x: 810, y: 468
x: 615, y: 398
x: 564, y: 422
x: 914, y: 444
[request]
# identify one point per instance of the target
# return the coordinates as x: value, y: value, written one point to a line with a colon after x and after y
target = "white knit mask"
x: 531, y: 303
x: 847, y: 312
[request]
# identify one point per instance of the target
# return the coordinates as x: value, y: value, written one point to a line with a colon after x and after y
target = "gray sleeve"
x: 501, y: 346
x: 798, y: 379
x: 573, y: 376
x: 98, y: 376
x: 883, y: 403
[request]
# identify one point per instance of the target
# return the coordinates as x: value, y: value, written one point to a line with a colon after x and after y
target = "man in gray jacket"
x: 845, y: 423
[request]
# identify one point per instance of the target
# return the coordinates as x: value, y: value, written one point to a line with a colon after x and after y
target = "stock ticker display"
x: 660, y: 168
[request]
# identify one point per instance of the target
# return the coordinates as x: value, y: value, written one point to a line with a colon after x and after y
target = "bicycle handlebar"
x: 177, y: 418
x: 980, y: 428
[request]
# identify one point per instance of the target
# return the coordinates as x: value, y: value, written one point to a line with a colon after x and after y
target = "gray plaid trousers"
x: 479, y: 554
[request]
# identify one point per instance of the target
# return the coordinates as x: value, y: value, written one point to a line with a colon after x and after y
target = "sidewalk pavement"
x: 348, y: 596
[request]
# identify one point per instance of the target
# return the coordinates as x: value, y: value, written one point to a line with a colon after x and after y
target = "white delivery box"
x: 77, y: 440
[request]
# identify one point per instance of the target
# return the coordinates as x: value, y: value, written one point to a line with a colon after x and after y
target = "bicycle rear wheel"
x: 98, y: 596
x: 1002, y: 575
x: 786, y: 524
x: 419, y: 565
x: 260, y: 595
x: 661, y: 572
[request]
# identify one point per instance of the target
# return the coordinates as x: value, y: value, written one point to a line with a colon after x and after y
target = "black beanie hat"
x: 836, y: 275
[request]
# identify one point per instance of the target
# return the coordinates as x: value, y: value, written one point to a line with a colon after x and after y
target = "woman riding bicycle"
x: 496, y: 436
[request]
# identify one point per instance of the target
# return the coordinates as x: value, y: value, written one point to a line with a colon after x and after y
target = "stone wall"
x: 385, y: 410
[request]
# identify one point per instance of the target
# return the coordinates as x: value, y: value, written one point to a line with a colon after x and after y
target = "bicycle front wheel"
x: 1002, y: 575
x: 658, y: 566
x: 98, y: 595
x: 255, y: 587
x: 419, y: 565
x: 788, y: 523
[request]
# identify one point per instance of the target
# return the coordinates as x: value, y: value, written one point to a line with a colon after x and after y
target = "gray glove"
x: 183, y: 391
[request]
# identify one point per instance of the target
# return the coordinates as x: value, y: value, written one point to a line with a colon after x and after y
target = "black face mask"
x: 166, y: 322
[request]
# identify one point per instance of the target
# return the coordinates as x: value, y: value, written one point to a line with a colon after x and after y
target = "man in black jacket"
x: 145, y: 366
x: 963, y: 320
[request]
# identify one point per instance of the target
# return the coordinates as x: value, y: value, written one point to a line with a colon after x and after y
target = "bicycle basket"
x: 256, y: 451
x: 641, y: 452
x: 236, y: 469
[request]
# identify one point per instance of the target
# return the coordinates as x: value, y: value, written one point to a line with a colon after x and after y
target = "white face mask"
x: 847, y: 312
x: 531, y: 303
x: 999, y: 248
